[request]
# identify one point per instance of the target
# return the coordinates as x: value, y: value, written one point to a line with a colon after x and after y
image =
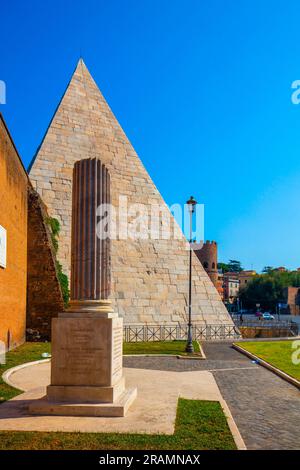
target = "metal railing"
x: 135, y: 333
x: 288, y: 326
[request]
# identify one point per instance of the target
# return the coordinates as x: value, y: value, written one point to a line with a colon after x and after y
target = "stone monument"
x: 86, y: 368
x: 158, y: 268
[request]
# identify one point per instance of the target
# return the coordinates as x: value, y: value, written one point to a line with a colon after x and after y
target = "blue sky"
x: 201, y: 87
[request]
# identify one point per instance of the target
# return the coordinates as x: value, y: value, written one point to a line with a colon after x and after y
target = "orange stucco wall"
x: 13, y: 217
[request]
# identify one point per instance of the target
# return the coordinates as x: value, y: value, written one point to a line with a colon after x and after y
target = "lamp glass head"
x: 191, y: 204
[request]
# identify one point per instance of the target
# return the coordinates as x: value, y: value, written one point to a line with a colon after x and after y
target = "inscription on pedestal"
x: 82, y: 352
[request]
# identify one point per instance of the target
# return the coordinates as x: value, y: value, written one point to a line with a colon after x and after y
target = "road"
x: 265, y: 407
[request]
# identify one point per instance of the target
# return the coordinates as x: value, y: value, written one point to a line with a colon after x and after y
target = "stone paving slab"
x: 265, y: 407
x: 154, y: 410
x: 223, y: 359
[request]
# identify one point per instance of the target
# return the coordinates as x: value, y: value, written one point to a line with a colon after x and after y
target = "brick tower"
x: 207, y: 253
x: 149, y: 276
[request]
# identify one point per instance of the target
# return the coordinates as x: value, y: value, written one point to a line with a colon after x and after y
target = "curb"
x: 6, y: 375
x: 178, y: 356
x: 268, y: 366
x: 281, y: 338
x: 239, y: 441
x: 203, y: 356
x: 197, y: 358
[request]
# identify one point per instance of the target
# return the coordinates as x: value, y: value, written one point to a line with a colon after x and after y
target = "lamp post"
x: 189, y: 345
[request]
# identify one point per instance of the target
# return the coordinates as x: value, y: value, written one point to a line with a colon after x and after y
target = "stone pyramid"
x: 149, y: 276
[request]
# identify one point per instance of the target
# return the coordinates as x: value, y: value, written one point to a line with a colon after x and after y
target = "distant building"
x: 231, y: 286
x: 292, y: 299
x: 233, y: 282
x: 281, y: 269
x: 220, y: 285
x: 246, y: 276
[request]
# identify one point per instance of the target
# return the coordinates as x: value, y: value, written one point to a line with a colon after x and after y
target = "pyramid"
x: 149, y: 276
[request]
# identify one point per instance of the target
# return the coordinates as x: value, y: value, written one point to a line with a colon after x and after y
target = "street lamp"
x: 189, y: 345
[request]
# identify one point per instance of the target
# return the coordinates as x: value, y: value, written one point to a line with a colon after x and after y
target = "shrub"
x: 54, y: 226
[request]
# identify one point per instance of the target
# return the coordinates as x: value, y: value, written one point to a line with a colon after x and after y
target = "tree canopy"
x: 233, y: 266
x: 268, y: 289
x: 223, y: 267
x: 267, y: 269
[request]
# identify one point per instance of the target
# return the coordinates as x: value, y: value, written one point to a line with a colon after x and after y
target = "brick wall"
x: 44, y: 298
x: 292, y: 299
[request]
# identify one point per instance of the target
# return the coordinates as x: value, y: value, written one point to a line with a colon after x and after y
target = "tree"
x: 223, y: 267
x: 267, y: 269
x: 54, y: 226
x: 268, y: 289
x: 235, y: 266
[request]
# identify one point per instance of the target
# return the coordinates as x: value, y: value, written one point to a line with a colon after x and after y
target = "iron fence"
x: 136, y: 333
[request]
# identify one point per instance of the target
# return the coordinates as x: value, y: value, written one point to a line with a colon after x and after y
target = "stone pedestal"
x: 86, y: 369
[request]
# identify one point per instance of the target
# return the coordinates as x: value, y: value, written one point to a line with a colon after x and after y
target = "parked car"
x: 268, y: 316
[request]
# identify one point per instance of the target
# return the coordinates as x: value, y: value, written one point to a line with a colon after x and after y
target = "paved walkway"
x: 265, y: 408
x: 153, y: 411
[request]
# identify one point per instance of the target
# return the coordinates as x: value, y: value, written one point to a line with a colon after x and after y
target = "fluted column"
x: 90, y: 255
x: 87, y: 339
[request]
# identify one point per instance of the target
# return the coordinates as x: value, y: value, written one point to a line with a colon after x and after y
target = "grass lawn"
x: 277, y: 353
x: 33, y: 351
x: 200, y: 425
x: 159, y: 347
x: 26, y: 353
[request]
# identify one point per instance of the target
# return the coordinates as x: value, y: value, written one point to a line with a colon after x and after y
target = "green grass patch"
x: 26, y: 353
x: 276, y: 353
x: 200, y: 425
x: 176, y: 347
